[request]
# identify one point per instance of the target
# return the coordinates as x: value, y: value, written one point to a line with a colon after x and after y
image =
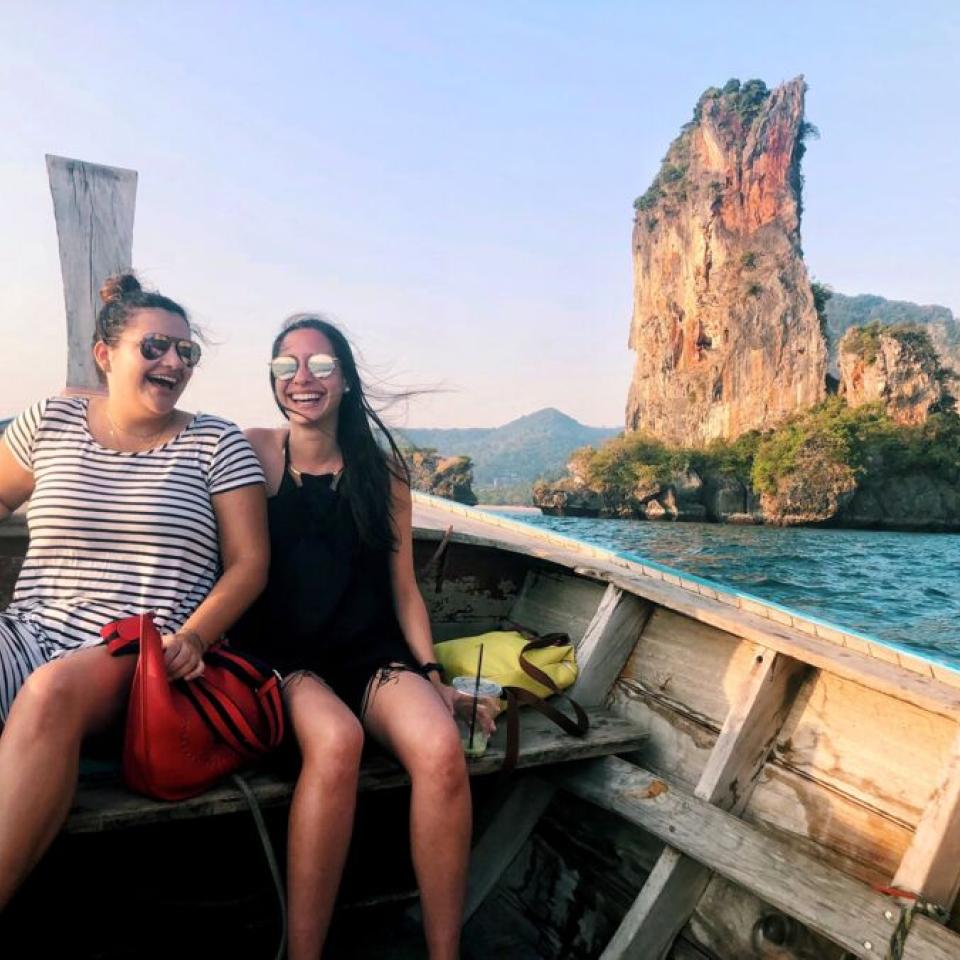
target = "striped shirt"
x: 114, y: 533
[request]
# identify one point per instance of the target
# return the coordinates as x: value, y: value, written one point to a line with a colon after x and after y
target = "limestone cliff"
x: 896, y: 366
x: 724, y: 323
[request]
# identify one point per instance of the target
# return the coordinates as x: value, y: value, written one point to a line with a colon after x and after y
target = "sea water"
x: 898, y: 587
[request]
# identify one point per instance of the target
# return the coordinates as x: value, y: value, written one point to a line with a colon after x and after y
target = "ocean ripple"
x: 898, y: 587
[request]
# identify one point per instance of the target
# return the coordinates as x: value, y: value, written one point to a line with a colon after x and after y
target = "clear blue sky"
x: 452, y: 181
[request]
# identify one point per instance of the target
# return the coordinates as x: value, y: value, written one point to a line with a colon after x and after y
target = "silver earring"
x: 346, y: 389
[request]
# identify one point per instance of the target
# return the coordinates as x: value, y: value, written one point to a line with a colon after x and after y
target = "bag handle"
x: 517, y: 697
x: 214, y: 707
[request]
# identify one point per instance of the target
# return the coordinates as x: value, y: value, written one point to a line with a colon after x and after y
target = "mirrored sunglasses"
x: 154, y: 345
x: 320, y: 365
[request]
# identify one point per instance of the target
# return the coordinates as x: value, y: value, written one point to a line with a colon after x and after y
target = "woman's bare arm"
x: 245, y: 551
x: 410, y: 609
x: 16, y: 483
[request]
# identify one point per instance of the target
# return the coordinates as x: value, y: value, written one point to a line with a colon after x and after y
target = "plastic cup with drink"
x: 473, y: 694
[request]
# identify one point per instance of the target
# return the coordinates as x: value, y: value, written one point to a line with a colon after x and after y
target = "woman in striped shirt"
x: 135, y: 505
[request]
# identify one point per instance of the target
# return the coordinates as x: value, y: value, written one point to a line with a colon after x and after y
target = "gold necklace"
x: 298, y: 475
x: 115, y: 428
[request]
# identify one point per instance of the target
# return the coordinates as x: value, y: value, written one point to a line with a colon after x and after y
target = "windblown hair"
x: 122, y: 296
x: 368, y: 466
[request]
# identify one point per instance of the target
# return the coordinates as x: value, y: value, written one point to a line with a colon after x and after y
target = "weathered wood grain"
x: 844, y: 910
x: 931, y: 865
x: 868, y: 745
x: 725, y: 924
x: 504, y: 837
x: 849, y: 834
x: 888, y: 678
x: 671, y: 893
x: 607, y: 643
x: 94, y: 207
x: 557, y: 603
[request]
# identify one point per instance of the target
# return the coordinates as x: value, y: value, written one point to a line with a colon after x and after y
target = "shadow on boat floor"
x: 201, y: 889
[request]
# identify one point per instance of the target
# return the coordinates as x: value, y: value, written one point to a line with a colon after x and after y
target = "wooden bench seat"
x: 102, y: 803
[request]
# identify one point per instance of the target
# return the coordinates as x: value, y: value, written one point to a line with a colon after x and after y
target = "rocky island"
x: 751, y: 401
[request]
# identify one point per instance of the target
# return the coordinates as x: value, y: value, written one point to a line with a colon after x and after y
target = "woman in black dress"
x: 343, y: 620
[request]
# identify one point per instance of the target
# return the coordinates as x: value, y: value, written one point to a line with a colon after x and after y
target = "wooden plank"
x: 674, y: 887
x: 605, y: 645
x: 93, y: 206
x: 875, y: 748
x: 557, y: 603
x: 106, y: 805
x: 855, y: 837
x: 930, y: 867
x: 504, y: 837
x: 608, y: 643
x: 840, y: 908
x: 726, y: 922
x: 750, y: 730
x: 888, y: 678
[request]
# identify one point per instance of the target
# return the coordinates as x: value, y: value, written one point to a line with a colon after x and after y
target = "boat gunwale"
x: 912, y: 662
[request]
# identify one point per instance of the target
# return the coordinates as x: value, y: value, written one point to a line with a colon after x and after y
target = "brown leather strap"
x: 545, y: 640
x: 517, y: 697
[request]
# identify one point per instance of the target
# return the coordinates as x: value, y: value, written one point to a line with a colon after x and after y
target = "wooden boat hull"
x: 788, y: 766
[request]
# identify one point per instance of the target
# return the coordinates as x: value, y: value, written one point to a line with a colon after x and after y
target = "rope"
x: 251, y: 799
x: 908, y: 910
x: 438, y: 561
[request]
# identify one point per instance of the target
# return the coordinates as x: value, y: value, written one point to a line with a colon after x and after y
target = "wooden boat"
x: 752, y: 781
x: 756, y: 783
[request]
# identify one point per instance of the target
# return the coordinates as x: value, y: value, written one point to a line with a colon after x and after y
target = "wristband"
x: 427, y: 668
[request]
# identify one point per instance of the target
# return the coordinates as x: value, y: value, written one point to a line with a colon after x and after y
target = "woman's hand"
x: 461, y: 705
x: 183, y: 655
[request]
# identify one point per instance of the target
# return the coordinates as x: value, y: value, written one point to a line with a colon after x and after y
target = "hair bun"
x: 119, y: 286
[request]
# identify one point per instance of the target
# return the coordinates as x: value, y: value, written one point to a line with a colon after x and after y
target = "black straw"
x: 476, y: 693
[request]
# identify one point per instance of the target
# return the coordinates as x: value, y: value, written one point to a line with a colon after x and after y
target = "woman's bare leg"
x: 408, y: 717
x: 60, y: 704
x: 321, y: 813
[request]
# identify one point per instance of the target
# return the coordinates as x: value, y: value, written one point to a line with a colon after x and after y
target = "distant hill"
x: 844, y: 312
x: 518, y: 452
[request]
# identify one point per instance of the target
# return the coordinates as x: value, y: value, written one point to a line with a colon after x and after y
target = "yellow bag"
x: 502, y: 649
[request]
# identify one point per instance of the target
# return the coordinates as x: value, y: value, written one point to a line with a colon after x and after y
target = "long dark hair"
x: 368, y: 466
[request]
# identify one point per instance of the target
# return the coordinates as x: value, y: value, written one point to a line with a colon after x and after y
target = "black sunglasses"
x: 154, y: 345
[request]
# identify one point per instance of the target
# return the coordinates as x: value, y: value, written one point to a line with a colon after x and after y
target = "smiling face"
x: 305, y: 397
x: 145, y: 387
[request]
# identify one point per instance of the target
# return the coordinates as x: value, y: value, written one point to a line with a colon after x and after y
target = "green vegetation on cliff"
x: 735, y: 101
x: 635, y: 460
x: 865, y: 341
x: 863, y: 438
x: 842, y: 312
x: 831, y: 438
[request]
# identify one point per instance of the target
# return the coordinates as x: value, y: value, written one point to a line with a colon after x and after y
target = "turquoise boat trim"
x: 815, y: 626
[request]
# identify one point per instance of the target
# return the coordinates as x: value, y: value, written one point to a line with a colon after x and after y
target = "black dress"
x: 328, y: 604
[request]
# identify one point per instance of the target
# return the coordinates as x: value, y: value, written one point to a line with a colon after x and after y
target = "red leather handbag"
x: 182, y: 737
